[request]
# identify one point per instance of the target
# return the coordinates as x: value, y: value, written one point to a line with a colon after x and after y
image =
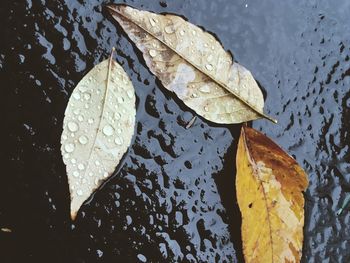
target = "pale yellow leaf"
x: 194, y: 65
x: 97, y: 129
x: 269, y: 186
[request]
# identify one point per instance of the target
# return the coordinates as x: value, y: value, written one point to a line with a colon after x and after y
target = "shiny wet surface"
x: 172, y: 197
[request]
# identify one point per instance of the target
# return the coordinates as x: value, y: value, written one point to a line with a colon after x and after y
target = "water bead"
x: 152, y: 21
x: 204, y: 89
x: 83, y: 139
x: 130, y: 94
x: 87, y: 96
x: 209, y: 67
x: 169, y: 29
x: 118, y: 141
x: 108, y: 130
x: 117, y: 115
x: 152, y: 53
x: 76, y: 95
x: 69, y: 147
x: 120, y: 100
x: 72, y: 126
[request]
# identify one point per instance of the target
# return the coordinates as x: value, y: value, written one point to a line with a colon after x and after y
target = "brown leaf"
x: 269, y: 186
x: 194, y: 65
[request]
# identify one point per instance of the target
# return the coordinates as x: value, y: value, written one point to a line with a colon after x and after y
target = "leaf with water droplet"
x: 269, y: 186
x: 93, y: 143
x: 185, y: 58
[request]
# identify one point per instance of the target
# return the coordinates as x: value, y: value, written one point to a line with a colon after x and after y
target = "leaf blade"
x: 269, y: 185
x: 97, y: 129
x: 139, y: 27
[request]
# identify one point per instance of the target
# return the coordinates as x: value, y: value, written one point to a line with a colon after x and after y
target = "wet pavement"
x: 172, y: 197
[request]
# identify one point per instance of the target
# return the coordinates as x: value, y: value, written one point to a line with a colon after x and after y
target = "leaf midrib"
x: 218, y: 82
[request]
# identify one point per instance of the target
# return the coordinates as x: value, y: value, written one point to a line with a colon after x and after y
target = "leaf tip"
x: 115, y: 8
x: 73, y: 215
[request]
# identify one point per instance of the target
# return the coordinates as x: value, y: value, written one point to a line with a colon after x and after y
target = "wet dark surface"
x: 172, y: 198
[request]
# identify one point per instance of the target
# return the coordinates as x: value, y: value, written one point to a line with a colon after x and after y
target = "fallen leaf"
x: 269, y: 185
x: 97, y: 129
x: 194, y: 65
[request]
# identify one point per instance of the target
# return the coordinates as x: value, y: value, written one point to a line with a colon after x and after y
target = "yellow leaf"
x: 269, y: 185
x: 97, y: 129
x: 194, y: 65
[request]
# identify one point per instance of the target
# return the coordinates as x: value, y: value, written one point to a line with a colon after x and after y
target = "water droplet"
x: 117, y: 115
x: 81, y: 166
x: 80, y: 118
x: 209, y: 67
x: 83, y: 88
x: 83, y: 139
x: 152, y: 53
x: 76, y: 174
x: 194, y: 32
x: 97, y: 163
x: 96, y: 181
x: 182, y: 32
x: 105, y: 174
x: 130, y: 94
x: 152, y: 21
x: 90, y: 121
x: 80, y: 192
x: 169, y: 29
x: 72, y: 126
x: 73, y: 161
x: 91, y: 174
x: 206, y: 108
x: 76, y: 95
x: 108, y: 130
x: 194, y: 95
x: 64, y: 137
x: 120, y: 100
x: 98, y: 91
x: 66, y: 156
x: 118, y: 141
x: 87, y: 96
x: 119, y: 131
x: 204, y: 89
x: 86, y: 106
x: 210, y: 58
x: 69, y: 147
x: 142, y: 258
x: 76, y: 111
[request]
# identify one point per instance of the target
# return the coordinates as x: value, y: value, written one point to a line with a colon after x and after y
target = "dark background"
x: 172, y: 198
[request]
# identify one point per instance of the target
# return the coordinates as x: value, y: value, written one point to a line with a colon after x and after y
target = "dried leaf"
x: 269, y: 187
x: 194, y: 65
x: 97, y: 129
